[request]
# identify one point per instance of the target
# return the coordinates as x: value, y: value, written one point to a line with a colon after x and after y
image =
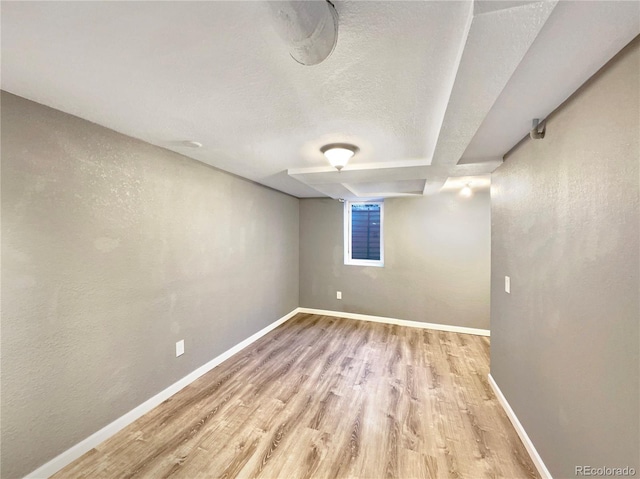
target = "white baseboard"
x: 70, y: 455
x: 535, y: 457
x: 399, y: 322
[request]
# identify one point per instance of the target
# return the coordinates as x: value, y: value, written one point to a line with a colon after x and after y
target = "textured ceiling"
x: 419, y: 86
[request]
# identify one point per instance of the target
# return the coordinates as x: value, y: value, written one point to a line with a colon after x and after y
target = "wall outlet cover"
x: 180, y: 348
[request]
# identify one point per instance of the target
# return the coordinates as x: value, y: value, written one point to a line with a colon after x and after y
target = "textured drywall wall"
x: 113, y: 250
x: 564, y: 343
x: 437, y: 261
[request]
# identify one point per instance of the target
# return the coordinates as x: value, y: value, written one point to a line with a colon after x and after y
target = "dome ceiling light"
x: 339, y: 154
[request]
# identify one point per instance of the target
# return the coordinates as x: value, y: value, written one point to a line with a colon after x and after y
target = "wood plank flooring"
x: 323, y: 397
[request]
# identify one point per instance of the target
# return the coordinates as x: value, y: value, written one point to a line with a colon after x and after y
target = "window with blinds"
x: 364, y: 233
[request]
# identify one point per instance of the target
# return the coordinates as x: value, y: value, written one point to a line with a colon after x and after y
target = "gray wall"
x: 112, y: 250
x: 437, y: 261
x: 564, y: 345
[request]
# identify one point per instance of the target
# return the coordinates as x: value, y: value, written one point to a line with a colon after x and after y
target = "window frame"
x: 348, y: 260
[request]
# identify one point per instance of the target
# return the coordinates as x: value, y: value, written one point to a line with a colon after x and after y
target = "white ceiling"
x: 427, y: 90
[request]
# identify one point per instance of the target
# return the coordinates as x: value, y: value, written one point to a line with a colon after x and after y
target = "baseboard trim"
x: 73, y: 453
x: 399, y: 322
x: 524, y: 437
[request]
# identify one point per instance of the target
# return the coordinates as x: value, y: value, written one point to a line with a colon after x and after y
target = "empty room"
x: 324, y: 240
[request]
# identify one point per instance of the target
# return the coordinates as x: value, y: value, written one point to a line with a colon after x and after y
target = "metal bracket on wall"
x: 538, y: 129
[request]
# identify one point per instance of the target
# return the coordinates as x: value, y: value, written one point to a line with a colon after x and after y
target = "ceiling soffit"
x: 497, y: 37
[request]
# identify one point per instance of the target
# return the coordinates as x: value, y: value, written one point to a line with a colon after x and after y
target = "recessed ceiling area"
x: 428, y: 91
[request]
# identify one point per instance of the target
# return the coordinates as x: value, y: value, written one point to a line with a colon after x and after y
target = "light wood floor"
x: 323, y: 397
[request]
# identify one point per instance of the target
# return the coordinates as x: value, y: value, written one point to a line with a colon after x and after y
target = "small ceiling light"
x: 192, y: 144
x: 339, y: 154
x: 466, y: 191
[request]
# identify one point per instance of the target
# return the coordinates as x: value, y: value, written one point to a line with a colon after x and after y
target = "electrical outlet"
x: 507, y: 284
x: 338, y: 294
x: 180, y: 348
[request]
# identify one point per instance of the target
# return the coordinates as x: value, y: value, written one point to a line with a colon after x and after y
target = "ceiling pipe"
x: 310, y: 28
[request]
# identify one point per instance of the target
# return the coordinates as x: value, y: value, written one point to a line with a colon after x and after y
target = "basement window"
x: 363, y: 233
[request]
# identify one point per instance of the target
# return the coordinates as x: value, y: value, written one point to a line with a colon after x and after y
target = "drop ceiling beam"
x: 345, y: 184
x: 496, y: 42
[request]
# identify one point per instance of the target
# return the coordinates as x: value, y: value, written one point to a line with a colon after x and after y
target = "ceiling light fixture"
x: 466, y: 191
x: 192, y: 144
x: 339, y: 154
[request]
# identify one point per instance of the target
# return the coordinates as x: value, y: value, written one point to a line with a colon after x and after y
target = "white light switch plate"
x: 507, y: 284
x: 338, y: 294
x: 180, y: 348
